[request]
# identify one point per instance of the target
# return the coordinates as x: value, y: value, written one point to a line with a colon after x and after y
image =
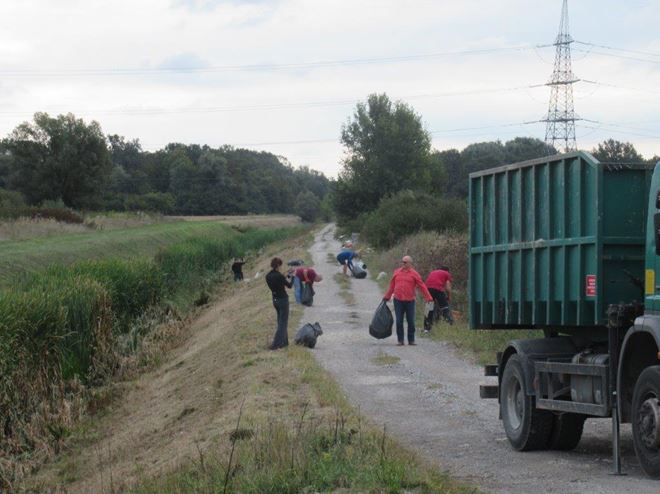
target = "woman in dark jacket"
x: 278, y: 283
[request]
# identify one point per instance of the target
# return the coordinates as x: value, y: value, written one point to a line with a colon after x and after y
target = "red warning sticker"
x: 590, y: 285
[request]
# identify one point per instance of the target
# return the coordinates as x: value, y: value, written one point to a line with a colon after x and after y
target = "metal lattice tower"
x: 560, y: 122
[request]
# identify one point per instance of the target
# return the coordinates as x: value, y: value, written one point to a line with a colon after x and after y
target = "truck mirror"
x: 656, y: 227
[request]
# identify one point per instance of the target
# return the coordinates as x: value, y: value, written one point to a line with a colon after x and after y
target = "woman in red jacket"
x: 402, y: 286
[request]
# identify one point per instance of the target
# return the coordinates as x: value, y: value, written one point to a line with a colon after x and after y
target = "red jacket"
x: 438, y: 279
x: 403, y: 284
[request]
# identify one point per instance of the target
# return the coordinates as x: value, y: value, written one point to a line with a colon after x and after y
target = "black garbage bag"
x: 359, y: 270
x: 382, y: 322
x: 307, y: 294
x: 308, y: 334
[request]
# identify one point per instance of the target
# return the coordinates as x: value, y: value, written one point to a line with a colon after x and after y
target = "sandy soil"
x: 429, y: 400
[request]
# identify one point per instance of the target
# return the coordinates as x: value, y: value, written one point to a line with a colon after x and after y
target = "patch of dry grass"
x: 24, y: 228
x: 248, y: 221
x: 384, y: 358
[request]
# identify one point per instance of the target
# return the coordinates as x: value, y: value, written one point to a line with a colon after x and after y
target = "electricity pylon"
x: 560, y: 122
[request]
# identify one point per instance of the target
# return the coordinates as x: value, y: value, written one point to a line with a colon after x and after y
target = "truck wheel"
x: 646, y: 420
x: 566, y: 431
x: 526, y: 427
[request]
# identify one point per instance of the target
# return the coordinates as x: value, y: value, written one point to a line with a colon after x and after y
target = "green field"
x: 27, y: 256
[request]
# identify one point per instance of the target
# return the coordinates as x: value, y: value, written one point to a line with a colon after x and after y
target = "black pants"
x: 281, y: 338
x: 238, y: 275
x: 441, y: 308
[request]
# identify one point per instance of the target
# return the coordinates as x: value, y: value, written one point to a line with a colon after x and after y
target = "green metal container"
x: 554, y: 241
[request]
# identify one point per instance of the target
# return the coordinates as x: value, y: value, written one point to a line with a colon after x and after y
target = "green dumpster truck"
x: 570, y: 246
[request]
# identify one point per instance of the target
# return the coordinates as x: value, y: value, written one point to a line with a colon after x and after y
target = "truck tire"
x: 566, y: 431
x: 646, y: 420
x: 526, y: 427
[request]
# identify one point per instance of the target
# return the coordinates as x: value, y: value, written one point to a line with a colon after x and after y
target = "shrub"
x: 160, y: 202
x: 307, y: 206
x: 429, y: 250
x: 408, y: 212
x: 63, y: 215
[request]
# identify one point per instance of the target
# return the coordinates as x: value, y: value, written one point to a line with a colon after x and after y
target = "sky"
x: 283, y: 76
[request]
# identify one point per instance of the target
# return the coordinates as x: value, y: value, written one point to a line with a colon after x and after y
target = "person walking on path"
x: 237, y: 268
x: 278, y: 283
x: 439, y: 284
x: 402, y: 285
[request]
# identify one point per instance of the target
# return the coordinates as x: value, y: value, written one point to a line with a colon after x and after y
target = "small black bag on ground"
x: 307, y: 295
x: 359, y: 270
x: 308, y: 334
x: 382, y: 322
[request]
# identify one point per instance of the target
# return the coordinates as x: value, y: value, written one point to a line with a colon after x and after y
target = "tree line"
x: 65, y: 159
x: 390, y: 164
x: 388, y: 152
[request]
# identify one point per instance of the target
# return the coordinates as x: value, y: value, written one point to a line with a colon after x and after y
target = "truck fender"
x: 533, y: 350
x: 639, y: 350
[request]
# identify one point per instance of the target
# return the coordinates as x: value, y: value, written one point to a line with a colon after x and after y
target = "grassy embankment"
x: 427, y: 250
x: 286, y: 427
x: 66, y: 327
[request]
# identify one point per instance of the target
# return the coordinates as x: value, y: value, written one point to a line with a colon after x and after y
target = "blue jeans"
x: 281, y: 338
x: 297, y: 289
x: 406, y: 307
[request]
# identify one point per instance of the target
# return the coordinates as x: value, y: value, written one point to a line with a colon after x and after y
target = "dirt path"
x: 429, y: 401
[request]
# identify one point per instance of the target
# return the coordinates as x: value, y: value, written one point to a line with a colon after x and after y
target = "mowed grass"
x: 27, y: 256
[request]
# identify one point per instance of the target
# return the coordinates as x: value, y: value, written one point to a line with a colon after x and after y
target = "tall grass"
x: 65, y: 325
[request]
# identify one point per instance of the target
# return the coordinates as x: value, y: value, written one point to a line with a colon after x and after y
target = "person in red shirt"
x: 402, y: 286
x: 439, y: 284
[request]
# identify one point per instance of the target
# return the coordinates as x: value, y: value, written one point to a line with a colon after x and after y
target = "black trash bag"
x: 295, y: 262
x: 359, y: 270
x: 307, y: 294
x: 382, y: 322
x: 308, y: 334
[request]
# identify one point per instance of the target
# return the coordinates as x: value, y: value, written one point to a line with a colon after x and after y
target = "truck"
x: 570, y: 246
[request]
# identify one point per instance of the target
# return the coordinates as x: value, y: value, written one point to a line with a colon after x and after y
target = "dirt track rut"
x: 429, y: 401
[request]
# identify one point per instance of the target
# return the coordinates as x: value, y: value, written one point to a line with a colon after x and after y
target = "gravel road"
x: 429, y: 401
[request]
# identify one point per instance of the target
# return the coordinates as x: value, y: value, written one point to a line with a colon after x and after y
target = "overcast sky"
x: 284, y: 75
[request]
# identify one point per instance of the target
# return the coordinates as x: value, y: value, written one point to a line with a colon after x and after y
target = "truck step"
x: 490, y: 370
x: 488, y: 391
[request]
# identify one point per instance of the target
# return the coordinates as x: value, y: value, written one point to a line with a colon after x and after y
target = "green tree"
x: 58, y: 158
x: 387, y: 149
x: 612, y: 151
x: 526, y: 148
x: 307, y: 206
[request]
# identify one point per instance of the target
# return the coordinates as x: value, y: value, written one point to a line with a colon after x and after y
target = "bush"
x: 407, y: 212
x: 159, y: 202
x: 11, y: 200
x: 307, y: 206
x: 429, y: 251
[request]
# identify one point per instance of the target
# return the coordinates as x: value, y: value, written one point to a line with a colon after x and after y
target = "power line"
x: 615, y: 55
x: 259, y: 67
x: 280, y: 106
x: 626, y: 50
